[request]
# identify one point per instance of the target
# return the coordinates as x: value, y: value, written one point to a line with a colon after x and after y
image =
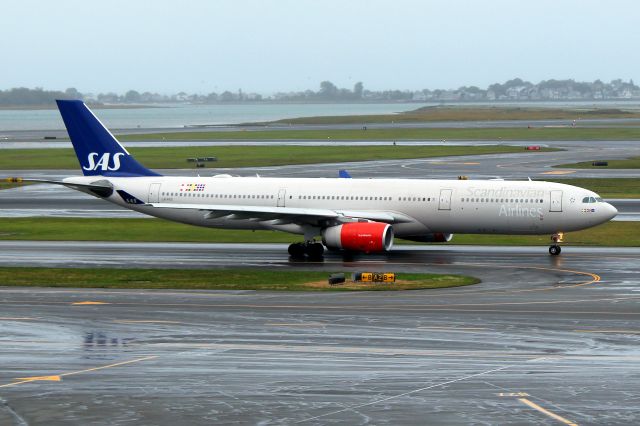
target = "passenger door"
x: 154, y: 193
x: 445, y: 199
x: 555, y: 204
x: 282, y: 194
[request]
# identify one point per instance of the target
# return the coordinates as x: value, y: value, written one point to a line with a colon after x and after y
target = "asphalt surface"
x: 544, y: 340
x: 538, y: 165
x: 541, y: 340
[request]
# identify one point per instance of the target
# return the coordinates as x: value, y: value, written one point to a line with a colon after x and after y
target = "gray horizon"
x: 280, y: 46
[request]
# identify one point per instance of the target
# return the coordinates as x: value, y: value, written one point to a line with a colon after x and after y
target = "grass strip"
x: 454, y: 113
x: 245, y: 156
x: 623, y: 234
x: 399, y: 134
x: 218, y: 279
x: 629, y: 163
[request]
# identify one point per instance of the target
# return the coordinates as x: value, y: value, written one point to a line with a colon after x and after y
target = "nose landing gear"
x: 555, y: 249
x: 310, y: 249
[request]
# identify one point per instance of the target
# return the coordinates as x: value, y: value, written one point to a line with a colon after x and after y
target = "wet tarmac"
x: 523, y: 165
x: 544, y: 340
x: 541, y: 340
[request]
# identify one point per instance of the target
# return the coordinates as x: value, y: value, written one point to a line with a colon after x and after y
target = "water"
x: 180, y: 115
x: 173, y: 116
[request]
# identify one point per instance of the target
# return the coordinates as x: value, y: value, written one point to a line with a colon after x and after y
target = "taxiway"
x: 541, y: 340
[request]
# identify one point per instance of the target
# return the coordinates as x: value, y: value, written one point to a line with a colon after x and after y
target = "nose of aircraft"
x: 610, y: 211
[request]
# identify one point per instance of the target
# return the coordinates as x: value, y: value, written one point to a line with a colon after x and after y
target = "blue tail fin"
x: 99, y: 153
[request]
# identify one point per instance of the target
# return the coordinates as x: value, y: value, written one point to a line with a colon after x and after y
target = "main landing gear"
x: 310, y: 249
x: 555, y: 249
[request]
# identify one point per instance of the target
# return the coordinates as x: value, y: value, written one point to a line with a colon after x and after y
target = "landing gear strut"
x: 311, y: 249
x: 555, y: 249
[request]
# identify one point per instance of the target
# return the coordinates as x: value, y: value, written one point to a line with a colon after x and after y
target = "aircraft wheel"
x: 554, y: 250
x: 315, y: 250
x: 296, y: 250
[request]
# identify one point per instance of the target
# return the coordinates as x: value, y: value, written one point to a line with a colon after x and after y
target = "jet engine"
x: 367, y: 237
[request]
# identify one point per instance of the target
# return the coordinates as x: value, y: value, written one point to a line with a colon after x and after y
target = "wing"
x: 283, y: 215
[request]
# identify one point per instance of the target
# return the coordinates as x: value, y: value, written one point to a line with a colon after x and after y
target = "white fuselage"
x: 432, y: 206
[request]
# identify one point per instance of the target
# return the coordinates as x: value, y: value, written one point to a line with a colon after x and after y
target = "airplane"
x: 353, y: 215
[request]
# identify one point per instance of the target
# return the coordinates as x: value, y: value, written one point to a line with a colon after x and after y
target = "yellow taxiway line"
x: 546, y: 412
x: 559, y: 172
x: 58, y: 378
x: 146, y: 322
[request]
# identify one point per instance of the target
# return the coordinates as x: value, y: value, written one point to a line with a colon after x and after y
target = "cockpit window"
x: 600, y: 200
x: 590, y: 199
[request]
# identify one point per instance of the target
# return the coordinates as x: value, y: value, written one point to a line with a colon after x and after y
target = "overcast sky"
x: 269, y: 46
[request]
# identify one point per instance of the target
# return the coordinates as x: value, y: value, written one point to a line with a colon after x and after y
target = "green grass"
x: 245, y: 156
x: 629, y: 163
x: 218, y: 279
x: 606, y: 187
x: 157, y: 230
x: 455, y: 113
x: 391, y: 134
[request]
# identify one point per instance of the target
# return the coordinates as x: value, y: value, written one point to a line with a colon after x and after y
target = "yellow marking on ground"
x: 513, y: 394
x: 90, y: 302
x: 146, y: 322
x: 559, y: 172
x: 16, y: 318
x: 452, y: 328
x: 609, y: 331
x: 295, y: 324
x: 547, y: 412
x: 447, y: 163
x: 42, y: 378
x: 117, y: 364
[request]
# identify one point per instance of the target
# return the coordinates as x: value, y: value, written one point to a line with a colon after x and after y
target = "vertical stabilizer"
x: 99, y: 153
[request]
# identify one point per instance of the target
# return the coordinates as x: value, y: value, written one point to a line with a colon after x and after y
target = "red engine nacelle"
x: 368, y: 237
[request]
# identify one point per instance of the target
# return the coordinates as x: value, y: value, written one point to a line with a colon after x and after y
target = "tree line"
x: 514, y: 89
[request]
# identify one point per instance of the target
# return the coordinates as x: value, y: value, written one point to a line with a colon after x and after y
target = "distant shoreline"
x: 92, y: 106
x: 496, y: 103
